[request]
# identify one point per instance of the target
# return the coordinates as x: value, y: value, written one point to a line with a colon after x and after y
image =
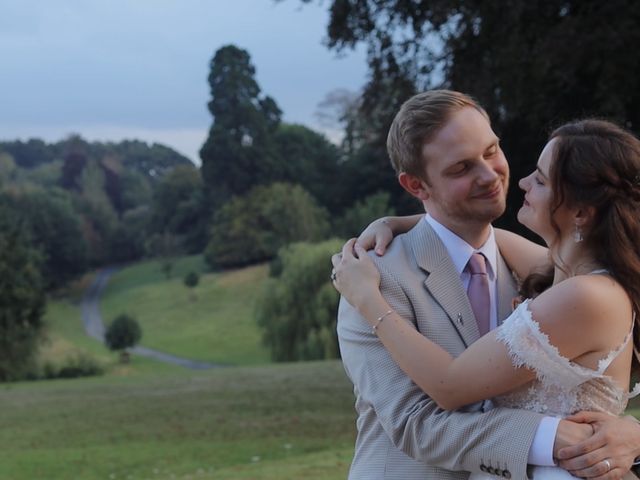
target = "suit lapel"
x: 443, y: 281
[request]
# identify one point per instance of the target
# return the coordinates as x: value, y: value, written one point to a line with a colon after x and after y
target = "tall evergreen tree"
x: 239, y: 152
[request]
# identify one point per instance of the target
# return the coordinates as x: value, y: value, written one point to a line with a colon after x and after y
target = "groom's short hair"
x: 418, y: 120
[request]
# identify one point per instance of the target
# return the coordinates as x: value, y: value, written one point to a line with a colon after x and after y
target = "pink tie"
x: 478, y: 291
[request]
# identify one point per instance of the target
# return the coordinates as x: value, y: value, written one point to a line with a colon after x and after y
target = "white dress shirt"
x: 541, y: 451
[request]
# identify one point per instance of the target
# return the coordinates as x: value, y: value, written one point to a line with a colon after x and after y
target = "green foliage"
x: 153, y: 162
x: 298, y: 308
x: 54, y: 229
x: 7, y: 169
x: 123, y: 333
x: 136, y: 189
x: 167, y: 267
x: 46, y: 175
x: 80, y: 364
x: 310, y: 160
x: 130, y: 237
x: 109, y: 187
x: 356, y: 218
x: 239, y: 152
x: 252, y: 228
x: 532, y: 65
x: 29, y: 154
x: 178, y: 208
x: 22, y: 299
x: 191, y: 280
x: 99, y: 213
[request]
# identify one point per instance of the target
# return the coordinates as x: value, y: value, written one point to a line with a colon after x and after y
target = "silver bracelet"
x: 379, y: 320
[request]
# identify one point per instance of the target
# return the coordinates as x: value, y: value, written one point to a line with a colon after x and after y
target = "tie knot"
x: 477, y: 265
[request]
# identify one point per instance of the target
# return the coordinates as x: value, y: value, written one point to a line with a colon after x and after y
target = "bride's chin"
x: 521, y: 216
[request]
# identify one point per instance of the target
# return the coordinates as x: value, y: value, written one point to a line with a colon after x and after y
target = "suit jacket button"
x: 506, y: 474
x: 491, y: 470
x: 498, y: 472
x: 483, y: 467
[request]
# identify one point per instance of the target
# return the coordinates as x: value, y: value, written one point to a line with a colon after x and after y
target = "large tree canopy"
x: 532, y: 64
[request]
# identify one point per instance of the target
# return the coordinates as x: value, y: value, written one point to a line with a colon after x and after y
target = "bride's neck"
x: 573, y: 258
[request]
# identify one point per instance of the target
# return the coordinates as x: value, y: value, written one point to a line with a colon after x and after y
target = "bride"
x: 569, y: 346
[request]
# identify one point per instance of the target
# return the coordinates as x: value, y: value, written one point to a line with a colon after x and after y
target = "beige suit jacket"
x: 401, y: 432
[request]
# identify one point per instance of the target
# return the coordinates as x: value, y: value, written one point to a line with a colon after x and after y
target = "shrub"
x: 252, y: 228
x: 80, y: 364
x: 191, y: 280
x: 297, y: 310
x: 123, y: 333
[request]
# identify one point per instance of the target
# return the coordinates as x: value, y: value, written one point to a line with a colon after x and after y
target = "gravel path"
x: 94, y: 327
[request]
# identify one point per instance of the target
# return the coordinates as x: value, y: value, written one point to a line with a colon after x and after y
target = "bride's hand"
x: 378, y: 235
x: 355, y: 275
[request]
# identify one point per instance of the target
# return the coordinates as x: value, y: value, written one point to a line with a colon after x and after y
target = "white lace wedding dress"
x: 561, y: 387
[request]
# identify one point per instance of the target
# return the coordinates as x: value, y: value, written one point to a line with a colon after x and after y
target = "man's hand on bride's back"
x: 608, y: 453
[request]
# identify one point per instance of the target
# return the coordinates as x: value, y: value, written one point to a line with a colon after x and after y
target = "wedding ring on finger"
x: 608, y: 464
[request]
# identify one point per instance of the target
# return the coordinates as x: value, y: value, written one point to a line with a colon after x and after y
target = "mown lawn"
x: 214, y: 322
x: 149, y: 420
x: 284, y: 421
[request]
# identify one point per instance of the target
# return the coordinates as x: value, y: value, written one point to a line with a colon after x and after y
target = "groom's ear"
x: 416, y: 186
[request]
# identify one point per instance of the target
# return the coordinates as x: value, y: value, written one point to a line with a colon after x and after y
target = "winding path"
x: 94, y: 327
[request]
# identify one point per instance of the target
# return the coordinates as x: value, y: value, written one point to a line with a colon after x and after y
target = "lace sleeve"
x: 530, y: 347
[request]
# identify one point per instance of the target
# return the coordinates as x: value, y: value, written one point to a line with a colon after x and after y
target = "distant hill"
x: 92, y: 203
x: 150, y: 160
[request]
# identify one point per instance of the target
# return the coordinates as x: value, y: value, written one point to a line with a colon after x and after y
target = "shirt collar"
x: 460, y: 251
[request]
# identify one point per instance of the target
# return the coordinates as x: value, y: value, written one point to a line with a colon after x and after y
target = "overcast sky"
x: 115, y: 69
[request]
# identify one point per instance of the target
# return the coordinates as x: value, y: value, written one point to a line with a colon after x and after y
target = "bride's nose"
x: 524, y: 182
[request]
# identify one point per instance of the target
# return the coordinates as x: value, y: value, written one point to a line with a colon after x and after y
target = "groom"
x: 445, y: 153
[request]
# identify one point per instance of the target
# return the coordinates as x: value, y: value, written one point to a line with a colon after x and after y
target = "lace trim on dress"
x: 530, y: 347
x: 636, y: 388
x: 604, y: 363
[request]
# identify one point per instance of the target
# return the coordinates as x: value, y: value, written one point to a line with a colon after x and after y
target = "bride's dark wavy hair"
x: 596, y: 164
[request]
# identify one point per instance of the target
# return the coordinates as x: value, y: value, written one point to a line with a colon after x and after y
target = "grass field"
x: 214, y: 322
x: 285, y: 421
x: 149, y: 420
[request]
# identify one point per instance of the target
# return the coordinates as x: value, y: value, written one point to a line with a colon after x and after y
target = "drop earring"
x: 577, y: 235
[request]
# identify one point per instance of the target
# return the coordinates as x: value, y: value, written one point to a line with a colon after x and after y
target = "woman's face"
x: 535, y: 212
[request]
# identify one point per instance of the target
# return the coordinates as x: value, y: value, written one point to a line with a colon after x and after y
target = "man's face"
x: 466, y: 171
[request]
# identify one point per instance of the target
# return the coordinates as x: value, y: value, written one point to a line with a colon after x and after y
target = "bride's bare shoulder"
x: 588, y: 301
